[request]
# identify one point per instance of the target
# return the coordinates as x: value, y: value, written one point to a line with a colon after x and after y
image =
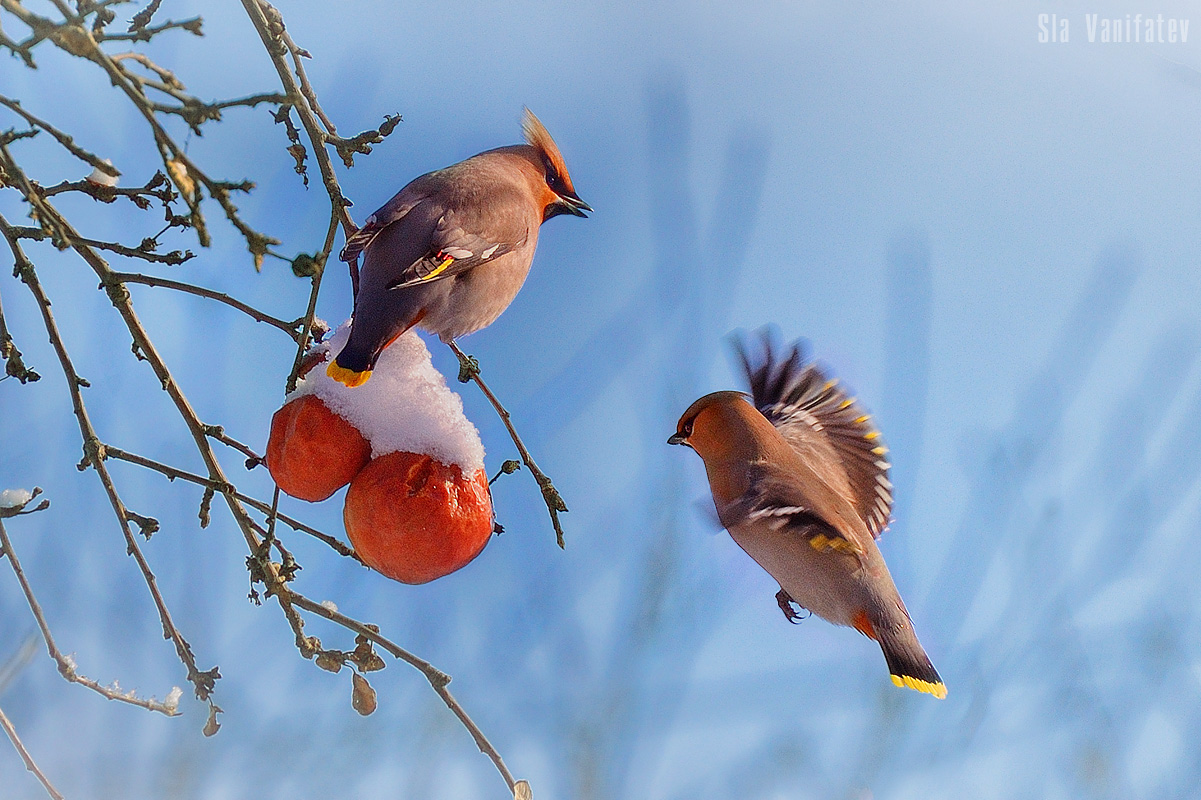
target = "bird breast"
x: 473, y: 299
x: 823, y: 582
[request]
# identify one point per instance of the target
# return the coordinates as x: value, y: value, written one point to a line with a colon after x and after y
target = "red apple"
x: 415, y: 519
x: 313, y: 452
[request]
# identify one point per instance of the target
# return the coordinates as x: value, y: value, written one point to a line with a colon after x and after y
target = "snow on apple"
x: 418, y: 506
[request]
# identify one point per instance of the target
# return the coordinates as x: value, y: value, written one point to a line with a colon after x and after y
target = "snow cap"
x: 15, y: 498
x: 406, y: 406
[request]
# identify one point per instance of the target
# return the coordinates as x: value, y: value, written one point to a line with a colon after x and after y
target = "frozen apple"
x: 313, y: 452
x: 414, y: 519
x: 420, y: 508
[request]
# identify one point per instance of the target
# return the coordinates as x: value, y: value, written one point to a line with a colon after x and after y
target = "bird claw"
x: 784, y: 599
x: 469, y: 367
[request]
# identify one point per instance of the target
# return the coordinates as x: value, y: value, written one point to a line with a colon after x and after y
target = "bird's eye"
x: 552, y: 180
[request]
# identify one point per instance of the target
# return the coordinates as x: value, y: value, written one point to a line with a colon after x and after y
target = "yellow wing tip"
x: 347, y: 377
x: 821, y: 543
x: 939, y: 689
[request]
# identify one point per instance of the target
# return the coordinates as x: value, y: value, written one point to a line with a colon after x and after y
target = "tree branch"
x: 172, y: 473
x: 28, y: 759
x: 469, y: 370
x: 14, y: 366
x: 66, y: 665
x: 94, y: 455
x: 62, y: 138
x: 290, y: 328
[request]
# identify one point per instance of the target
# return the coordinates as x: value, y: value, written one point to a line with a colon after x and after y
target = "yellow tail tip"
x: 939, y: 689
x: 347, y: 377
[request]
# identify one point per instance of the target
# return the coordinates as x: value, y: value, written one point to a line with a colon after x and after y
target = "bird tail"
x: 908, y: 663
x: 352, y: 367
x: 346, y: 376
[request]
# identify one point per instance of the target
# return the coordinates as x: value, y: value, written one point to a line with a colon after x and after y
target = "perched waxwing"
x: 800, y: 480
x: 451, y: 250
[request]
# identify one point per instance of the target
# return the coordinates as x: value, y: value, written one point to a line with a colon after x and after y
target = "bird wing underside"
x: 454, y: 249
x: 818, y: 418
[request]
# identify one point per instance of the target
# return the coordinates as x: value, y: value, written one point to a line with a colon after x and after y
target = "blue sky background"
x: 995, y: 241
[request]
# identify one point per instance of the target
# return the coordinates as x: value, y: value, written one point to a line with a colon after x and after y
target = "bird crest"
x: 539, y: 138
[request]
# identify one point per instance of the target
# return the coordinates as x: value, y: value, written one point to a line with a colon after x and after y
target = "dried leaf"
x: 179, y: 173
x: 522, y: 791
x: 143, y: 17
x: 362, y: 696
x: 206, y: 506
x: 212, y: 725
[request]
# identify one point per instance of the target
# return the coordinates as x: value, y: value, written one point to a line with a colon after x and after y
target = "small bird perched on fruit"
x: 451, y: 250
x: 800, y: 481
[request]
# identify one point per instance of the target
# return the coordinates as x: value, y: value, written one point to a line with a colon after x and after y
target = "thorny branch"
x: 73, y: 37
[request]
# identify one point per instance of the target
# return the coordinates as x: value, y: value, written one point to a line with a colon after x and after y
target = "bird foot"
x: 469, y: 367
x: 784, y: 599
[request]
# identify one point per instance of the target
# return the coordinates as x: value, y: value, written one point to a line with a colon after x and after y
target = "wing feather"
x: 453, y: 249
x: 822, y: 422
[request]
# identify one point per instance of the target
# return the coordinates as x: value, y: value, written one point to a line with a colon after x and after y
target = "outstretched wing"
x: 822, y: 423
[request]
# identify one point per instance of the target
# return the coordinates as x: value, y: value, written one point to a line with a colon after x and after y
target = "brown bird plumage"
x: 799, y: 479
x: 451, y: 250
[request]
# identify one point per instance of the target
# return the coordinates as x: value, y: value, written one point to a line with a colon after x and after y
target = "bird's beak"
x: 678, y: 438
x: 574, y: 205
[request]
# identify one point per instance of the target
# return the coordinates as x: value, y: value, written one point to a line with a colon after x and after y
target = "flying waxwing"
x: 451, y: 250
x: 800, y: 481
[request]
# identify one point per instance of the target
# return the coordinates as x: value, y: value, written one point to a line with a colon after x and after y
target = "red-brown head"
x: 559, y: 195
x: 722, y: 426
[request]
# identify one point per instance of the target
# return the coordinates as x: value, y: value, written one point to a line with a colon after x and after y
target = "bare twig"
x: 436, y: 677
x: 173, y: 258
x: 469, y: 370
x: 217, y: 432
x: 258, y: 505
x: 62, y: 138
x: 73, y: 38
x: 158, y: 187
x: 278, y: 44
x: 290, y: 328
x: 145, y: 34
x: 66, y: 666
x: 14, y: 366
x: 94, y: 454
x: 28, y: 759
